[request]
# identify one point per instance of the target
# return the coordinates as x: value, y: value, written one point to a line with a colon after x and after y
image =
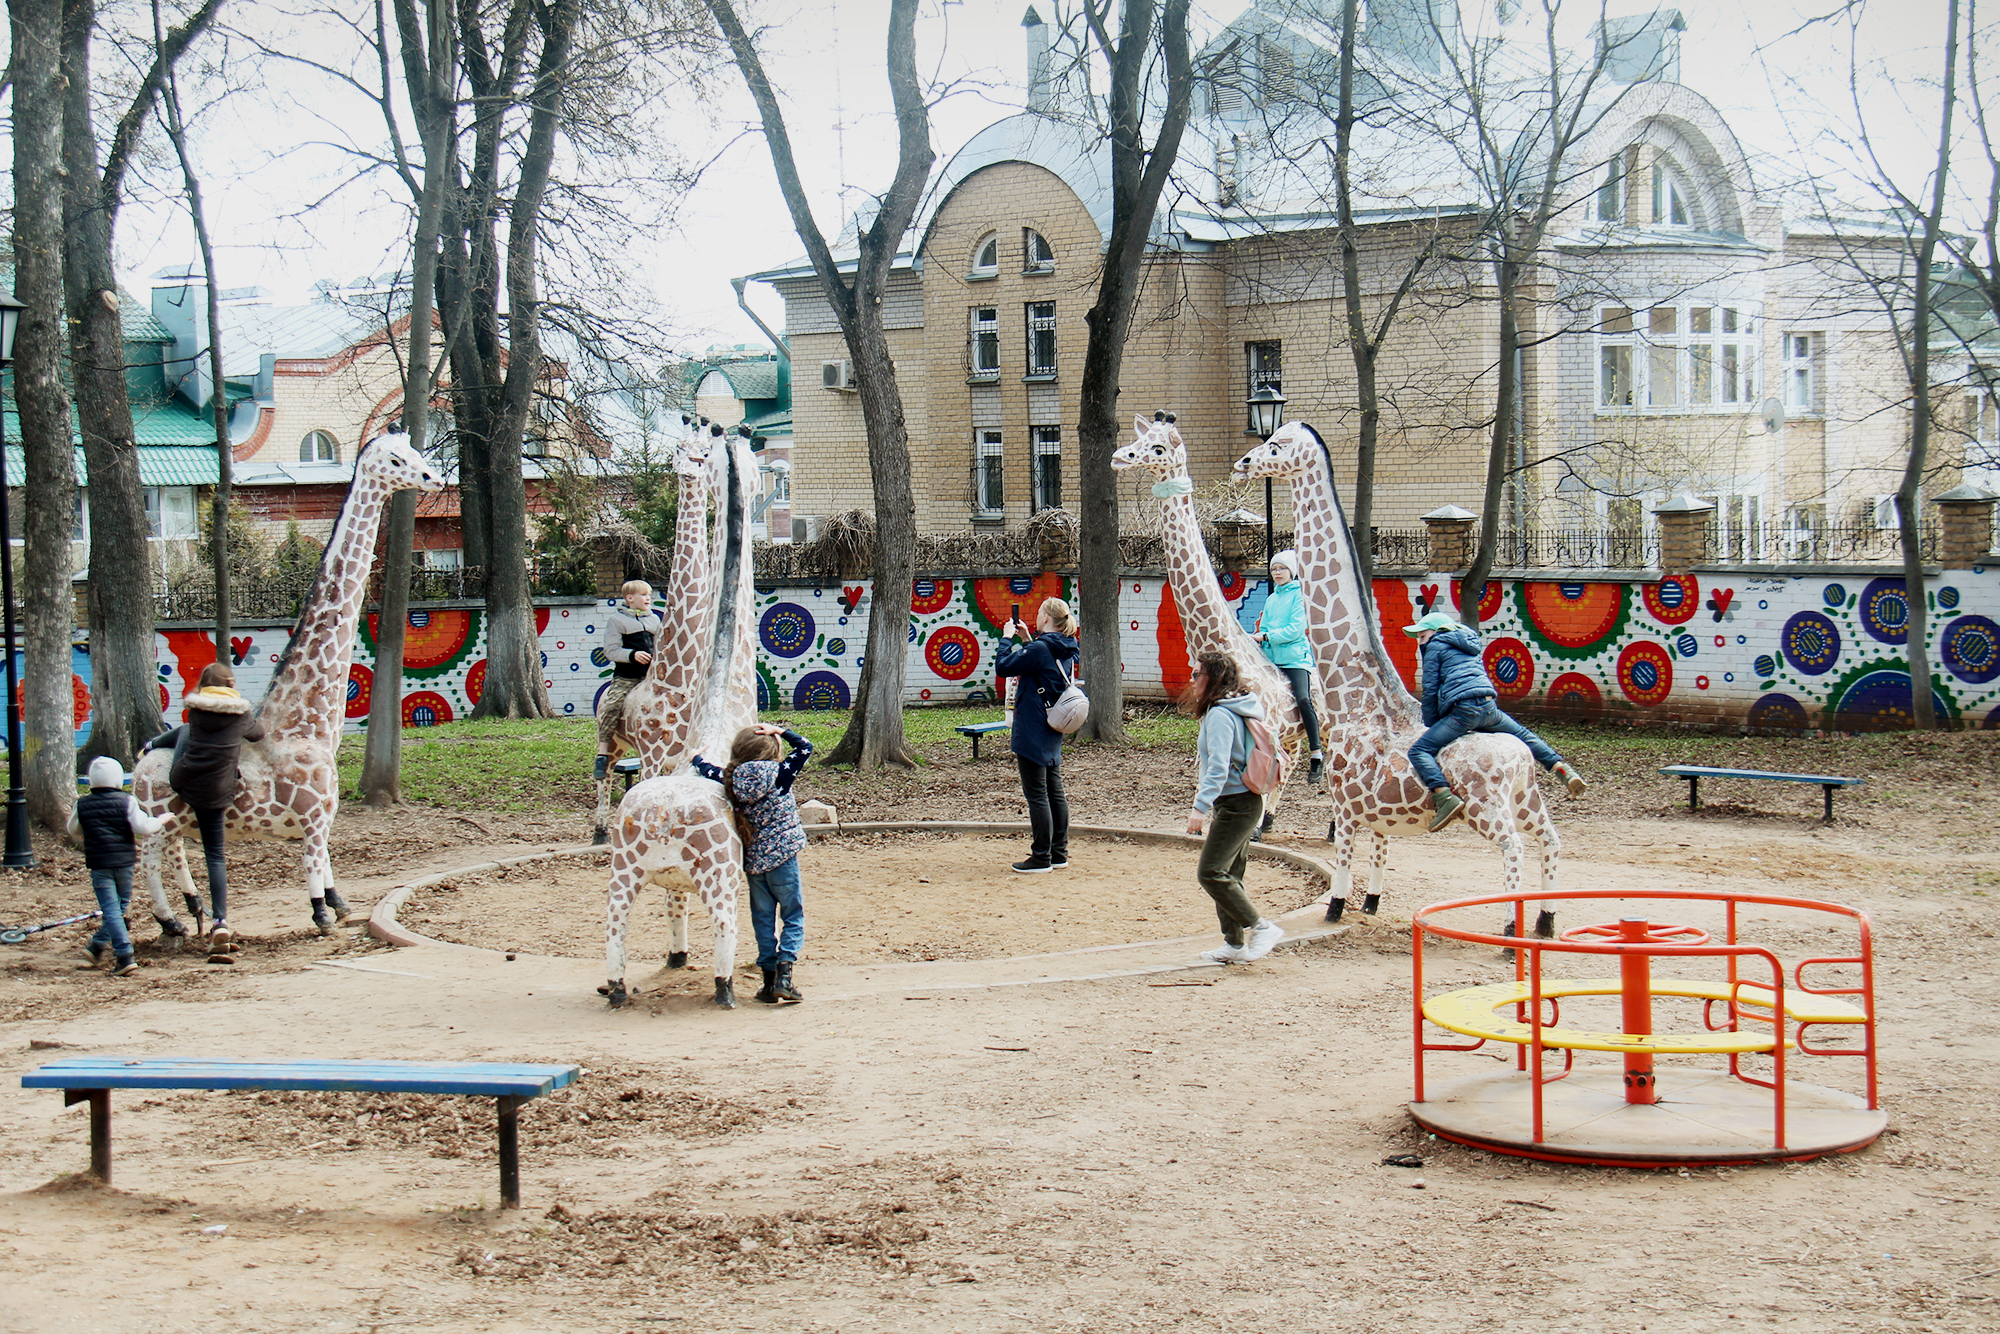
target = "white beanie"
x: 1287, y: 558
x: 106, y: 772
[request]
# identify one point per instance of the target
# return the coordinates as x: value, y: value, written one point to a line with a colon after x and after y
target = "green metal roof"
x: 138, y: 321
x: 159, y: 465
x: 173, y: 422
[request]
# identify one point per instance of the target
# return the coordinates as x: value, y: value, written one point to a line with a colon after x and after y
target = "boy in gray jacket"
x: 1459, y: 697
x: 631, y: 634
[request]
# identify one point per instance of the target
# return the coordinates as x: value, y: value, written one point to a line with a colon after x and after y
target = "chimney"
x: 1642, y: 47
x: 1038, y: 61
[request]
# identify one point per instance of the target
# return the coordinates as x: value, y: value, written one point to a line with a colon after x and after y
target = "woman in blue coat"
x: 1281, y: 630
x: 1043, y: 665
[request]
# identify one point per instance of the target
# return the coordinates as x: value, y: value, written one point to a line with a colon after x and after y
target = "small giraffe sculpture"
x: 660, y: 719
x: 678, y: 831
x: 289, y: 788
x: 1210, y: 623
x: 1374, y: 719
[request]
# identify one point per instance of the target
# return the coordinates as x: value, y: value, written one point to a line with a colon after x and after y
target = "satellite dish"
x: 1773, y: 415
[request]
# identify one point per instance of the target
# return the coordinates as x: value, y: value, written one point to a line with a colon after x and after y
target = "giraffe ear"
x: 1140, y: 424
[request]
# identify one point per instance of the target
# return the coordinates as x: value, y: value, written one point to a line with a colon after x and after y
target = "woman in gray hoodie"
x: 1217, y: 696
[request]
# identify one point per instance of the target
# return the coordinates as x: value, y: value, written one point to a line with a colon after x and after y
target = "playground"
x: 982, y: 1119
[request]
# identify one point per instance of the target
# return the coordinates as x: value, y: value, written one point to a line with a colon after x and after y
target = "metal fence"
x: 1576, y: 549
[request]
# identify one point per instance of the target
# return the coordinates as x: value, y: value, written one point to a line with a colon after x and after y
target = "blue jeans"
x: 776, y: 894
x: 1479, y: 714
x: 113, y: 887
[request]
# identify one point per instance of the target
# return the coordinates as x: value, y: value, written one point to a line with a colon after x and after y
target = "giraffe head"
x: 391, y: 460
x: 691, y: 451
x: 1294, y: 450
x: 1159, y: 448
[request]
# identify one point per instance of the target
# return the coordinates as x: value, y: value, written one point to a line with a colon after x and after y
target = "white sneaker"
x: 1263, y: 938
x: 1226, y: 953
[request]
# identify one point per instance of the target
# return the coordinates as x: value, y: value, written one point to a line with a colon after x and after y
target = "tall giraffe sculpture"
x: 1206, y: 616
x: 677, y: 831
x: 659, y: 720
x: 289, y: 788
x: 1374, y: 718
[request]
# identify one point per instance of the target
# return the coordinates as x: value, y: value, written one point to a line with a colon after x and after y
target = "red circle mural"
x: 542, y: 619
x: 1232, y: 583
x: 993, y: 599
x: 426, y: 708
x: 1645, y: 673
x: 1573, y: 615
x: 475, y: 681
x: 360, y: 689
x: 953, y: 652
x: 1573, y: 692
x: 929, y: 595
x: 1489, y: 601
x: 441, y: 637
x: 164, y: 699
x: 1511, y: 666
x: 1674, y: 600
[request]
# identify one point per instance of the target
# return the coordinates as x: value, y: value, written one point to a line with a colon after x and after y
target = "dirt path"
x: 1115, y: 1154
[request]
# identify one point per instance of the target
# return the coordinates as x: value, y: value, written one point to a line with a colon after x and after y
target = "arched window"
x: 319, y: 447
x: 1039, y: 258
x: 1672, y: 204
x: 986, y: 258
x: 1609, y: 203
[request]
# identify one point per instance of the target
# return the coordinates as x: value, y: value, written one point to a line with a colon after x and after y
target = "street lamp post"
x: 1266, y: 406
x: 20, y: 852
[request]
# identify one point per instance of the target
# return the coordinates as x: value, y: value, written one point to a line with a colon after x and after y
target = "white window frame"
x: 1264, y: 364
x: 318, y: 446
x: 1673, y: 202
x: 986, y: 257
x: 1800, y: 369
x: 1048, y: 460
x: 1678, y: 357
x: 446, y: 558
x: 1607, y: 202
x: 982, y: 343
x: 1031, y: 262
x: 1039, y: 317
x: 157, y: 515
x: 1736, y: 525
x: 989, y: 471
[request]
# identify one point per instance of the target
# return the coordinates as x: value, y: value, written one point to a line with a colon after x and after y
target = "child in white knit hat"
x: 110, y: 824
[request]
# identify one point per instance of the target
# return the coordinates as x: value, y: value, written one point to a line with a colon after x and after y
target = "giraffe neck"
x: 729, y: 693
x: 1357, y: 686
x: 1205, y: 613
x: 308, y: 699
x: 690, y: 620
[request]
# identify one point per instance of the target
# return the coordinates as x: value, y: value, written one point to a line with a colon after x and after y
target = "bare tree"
x: 1139, y: 174
x: 48, y: 490
x: 875, y: 729
x: 125, y: 704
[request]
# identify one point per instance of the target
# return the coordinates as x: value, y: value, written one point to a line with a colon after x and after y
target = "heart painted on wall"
x: 1427, y: 594
x: 850, y: 598
x: 1719, y: 600
x: 239, y: 649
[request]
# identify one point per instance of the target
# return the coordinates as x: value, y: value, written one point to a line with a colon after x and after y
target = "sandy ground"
x: 933, y: 1147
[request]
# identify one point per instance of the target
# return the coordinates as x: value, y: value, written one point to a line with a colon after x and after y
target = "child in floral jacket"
x: 759, y: 786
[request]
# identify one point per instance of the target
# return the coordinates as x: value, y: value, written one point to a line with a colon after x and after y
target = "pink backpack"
x: 1265, y: 769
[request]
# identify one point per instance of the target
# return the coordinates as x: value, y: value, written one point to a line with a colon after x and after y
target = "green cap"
x: 1437, y: 620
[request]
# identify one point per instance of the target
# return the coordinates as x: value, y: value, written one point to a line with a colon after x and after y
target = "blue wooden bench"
x: 91, y: 1079
x: 1694, y: 773
x: 627, y: 769
x: 978, y: 730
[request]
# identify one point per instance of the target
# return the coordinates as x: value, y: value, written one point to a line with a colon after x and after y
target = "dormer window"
x: 986, y: 258
x: 1671, y: 204
x: 1039, y: 258
x: 319, y: 447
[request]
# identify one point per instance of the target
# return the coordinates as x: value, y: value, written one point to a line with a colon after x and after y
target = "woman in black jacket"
x: 204, y: 775
x: 1044, y: 665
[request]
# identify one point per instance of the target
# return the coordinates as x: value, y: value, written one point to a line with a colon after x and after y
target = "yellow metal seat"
x: 1471, y: 1011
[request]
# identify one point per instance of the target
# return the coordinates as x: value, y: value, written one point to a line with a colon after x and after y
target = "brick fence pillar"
x: 1450, y: 538
x: 1967, y: 514
x: 1683, y: 533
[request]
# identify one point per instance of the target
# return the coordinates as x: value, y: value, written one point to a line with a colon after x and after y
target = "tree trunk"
x: 1138, y: 176
x: 48, y: 486
x: 382, y: 753
x: 1473, y: 586
x: 1360, y: 346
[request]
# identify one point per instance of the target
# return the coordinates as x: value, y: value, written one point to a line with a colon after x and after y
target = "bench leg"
x: 975, y: 746
x: 510, y: 1151
x: 1694, y: 794
x: 100, y: 1127
x: 1829, y: 801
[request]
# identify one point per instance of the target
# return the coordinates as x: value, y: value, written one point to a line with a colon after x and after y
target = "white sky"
x: 1786, y: 98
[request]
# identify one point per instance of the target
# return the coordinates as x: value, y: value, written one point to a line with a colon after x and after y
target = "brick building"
x: 1692, y: 336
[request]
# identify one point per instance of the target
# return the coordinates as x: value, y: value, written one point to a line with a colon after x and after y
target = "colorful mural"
x: 1785, y: 653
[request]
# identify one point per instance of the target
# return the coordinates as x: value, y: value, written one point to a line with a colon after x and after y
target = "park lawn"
x: 543, y: 765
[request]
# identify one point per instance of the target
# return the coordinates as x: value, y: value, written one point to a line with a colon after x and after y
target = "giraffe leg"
x: 720, y: 895
x: 1549, y: 843
x: 317, y: 862
x: 1341, y: 831
x: 599, y: 837
x: 186, y: 883
x: 678, y: 908
x: 1378, y: 855
x: 617, y: 909
x: 172, y: 929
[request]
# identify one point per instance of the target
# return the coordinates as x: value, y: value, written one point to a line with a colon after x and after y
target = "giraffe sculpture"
x: 1374, y: 719
x: 1210, y: 624
x: 289, y: 788
x: 677, y: 830
x: 659, y: 720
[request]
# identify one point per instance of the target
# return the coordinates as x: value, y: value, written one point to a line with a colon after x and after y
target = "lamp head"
x: 10, y: 321
x: 1267, y: 408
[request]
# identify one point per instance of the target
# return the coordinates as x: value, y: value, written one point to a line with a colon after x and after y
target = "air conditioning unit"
x: 805, y: 527
x: 837, y: 375
x: 1884, y: 508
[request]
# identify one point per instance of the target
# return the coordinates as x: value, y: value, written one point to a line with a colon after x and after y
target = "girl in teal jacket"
x: 1281, y: 630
